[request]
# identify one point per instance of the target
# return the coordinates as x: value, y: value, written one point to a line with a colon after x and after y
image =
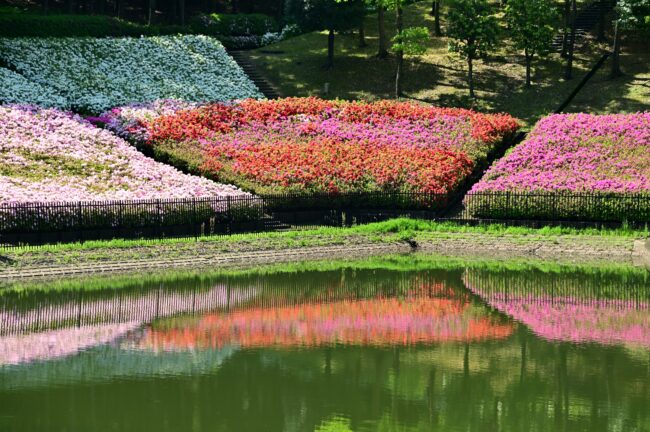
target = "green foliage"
x: 32, y: 25
x: 411, y: 41
x: 472, y: 28
x: 236, y: 24
x: 634, y: 14
x: 229, y: 29
x: 531, y: 24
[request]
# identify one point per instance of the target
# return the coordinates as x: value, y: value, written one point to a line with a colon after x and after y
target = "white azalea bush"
x: 95, y: 74
x: 16, y: 89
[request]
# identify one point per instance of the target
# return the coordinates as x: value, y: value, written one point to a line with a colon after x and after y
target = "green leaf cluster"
x: 472, y: 28
x: 412, y: 41
x: 531, y: 24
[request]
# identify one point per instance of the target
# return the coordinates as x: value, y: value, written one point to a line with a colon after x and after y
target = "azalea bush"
x: 95, y: 74
x: 572, y: 166
x: 51, y: 156
x: 16, y: 89
x: 318, y: 146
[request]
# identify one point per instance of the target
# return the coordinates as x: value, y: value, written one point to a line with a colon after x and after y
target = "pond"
x: 389, y: 344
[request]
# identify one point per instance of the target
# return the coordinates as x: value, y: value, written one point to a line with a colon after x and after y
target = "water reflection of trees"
x: 522, y: 383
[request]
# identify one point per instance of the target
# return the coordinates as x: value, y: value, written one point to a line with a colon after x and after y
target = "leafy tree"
x: 631, y: 15
x: 473, y: 32
x: 409, y: 41
x: 531, y: 27
x: 331, y: 15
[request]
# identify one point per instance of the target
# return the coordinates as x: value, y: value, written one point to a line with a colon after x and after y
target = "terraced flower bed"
x: 94, y: 74
x: 52, y: 160
x: 49, y: 155
x: 573, y: 166
x: 308, y: 145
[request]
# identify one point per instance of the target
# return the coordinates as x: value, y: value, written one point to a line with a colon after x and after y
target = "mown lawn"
x: 439, y: 77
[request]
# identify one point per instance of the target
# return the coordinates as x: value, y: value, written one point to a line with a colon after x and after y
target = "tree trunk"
x: 436, y: 17
x: 69, y: 6
x: 399, y: 27
x: 46, y: 6
x: 150, y: 12
x: 616, y: 52
x: 383, y: 40
x: 601, y: 22
x: 330, y: 50
x: 235, y: 6
x: 119, y: 5
x: 362, y: 36
x: 181, y: 12
x: 528, y: 61
x: 568, y: 72
x: 470, y: 76
x: 565, y: 30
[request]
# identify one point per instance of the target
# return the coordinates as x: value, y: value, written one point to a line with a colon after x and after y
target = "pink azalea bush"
x: 602, y: 155
x: 49, y: 155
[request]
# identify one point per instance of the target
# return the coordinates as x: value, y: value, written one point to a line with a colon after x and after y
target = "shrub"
x: 573, y: 166
x: 236, y: 24
x: 318, y: 146
x: 97, y: 74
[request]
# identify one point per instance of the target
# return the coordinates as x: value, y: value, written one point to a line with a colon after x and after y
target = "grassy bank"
x: 396, y: 263
x: 462, y: 238
x: 439, y: 77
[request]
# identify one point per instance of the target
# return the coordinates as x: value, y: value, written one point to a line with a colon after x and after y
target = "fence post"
x: 195, y: 219
x: 80, y: 222
x: 228, y: 215
x: 159, y: 211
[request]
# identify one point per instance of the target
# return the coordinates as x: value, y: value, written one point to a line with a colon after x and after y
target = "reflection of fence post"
x: 81, y: 293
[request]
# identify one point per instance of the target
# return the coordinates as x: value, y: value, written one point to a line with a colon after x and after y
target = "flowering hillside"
x: 49, y: 155
x: 602, y: 155
x: 16, y: 89
x: 313, y: 145
x: 95, y: 74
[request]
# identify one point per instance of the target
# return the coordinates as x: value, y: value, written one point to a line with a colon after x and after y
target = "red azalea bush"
x: 314, y: 145
x: 334, y: 166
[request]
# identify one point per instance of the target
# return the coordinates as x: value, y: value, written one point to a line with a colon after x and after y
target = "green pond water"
x: 391, y: 344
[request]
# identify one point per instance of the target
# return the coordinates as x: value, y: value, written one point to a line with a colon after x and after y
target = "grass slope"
x: 439, y: 77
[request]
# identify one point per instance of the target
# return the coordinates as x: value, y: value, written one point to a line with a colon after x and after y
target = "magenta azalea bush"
x: 604, y: 156
x: 49, y: 155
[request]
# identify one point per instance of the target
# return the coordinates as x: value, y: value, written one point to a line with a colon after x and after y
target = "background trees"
x: 630, y: 15
x: 531, y: 25
x: 473, y: 32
